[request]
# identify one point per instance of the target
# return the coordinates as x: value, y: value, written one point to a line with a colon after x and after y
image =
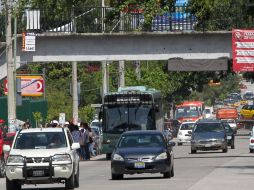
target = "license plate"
x: 229, y: 137
x: 38, y: 173
x: 207, y: 145
x: 139, y: 165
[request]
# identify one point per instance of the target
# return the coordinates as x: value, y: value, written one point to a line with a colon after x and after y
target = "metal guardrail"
x: 110, y: 20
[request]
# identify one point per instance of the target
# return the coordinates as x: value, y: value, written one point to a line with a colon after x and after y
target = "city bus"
x: 189, y: 111
x: 131, y: 108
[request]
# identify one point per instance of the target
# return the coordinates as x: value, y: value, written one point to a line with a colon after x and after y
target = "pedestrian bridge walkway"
x: 127, y: 46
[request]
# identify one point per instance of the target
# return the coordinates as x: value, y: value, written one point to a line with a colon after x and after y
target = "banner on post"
x: 30, y: 86
x: 243, y: 50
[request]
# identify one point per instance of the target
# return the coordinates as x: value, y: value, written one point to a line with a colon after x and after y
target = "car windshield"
x: 144, y: 140
x: 95, y: 123
x: 231, y: 121
x: 208, y: 127
x: 207, y: 111
x: 187, y: 112
x: 95, y: 131
x: 187, y: 126
x: 40, y: 140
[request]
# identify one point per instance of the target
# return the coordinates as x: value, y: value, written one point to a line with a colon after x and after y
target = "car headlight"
x: 221, y: 140
x: 117, y: 157
x: 180, y: 133
x: 162, y: 156
x: 61, y: 158
x: 15, y: 159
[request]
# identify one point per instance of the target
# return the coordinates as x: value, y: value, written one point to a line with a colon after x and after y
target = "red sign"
x: 30, y: 85
x: 243, y: 50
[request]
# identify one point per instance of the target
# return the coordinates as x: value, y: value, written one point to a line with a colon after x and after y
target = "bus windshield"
x: 120, y: 118
x: 182, y: 112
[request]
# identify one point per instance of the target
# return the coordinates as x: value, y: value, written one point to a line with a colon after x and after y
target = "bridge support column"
x: 74, y: 93
x: 121, y: 71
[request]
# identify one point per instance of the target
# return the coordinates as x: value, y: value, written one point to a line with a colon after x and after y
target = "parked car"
x: 230, y: 134
x: 251, y: 141
x: 142, y: 152
x: 97, y: 138
x: 96, y: 123
x: 42, y: 156
x: 184, y: 133
x: 209, y: 135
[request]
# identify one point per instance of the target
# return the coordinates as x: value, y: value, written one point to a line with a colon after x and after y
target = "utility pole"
x: 104, y: 79
x: 74, y: 93
x: 121, y: 74
x: 10, y: 71
x: 121, y: 69
x: 137, y: 70
x: 74, y: 79
x: 102, y: 16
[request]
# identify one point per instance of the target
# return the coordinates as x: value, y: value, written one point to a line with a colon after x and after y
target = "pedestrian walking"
x: 86, y: 140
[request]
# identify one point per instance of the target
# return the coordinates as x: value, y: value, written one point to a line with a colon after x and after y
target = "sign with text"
x: 62, y: 118
x: 28, y: 41
x: 30, y: 86
x: 243, y: 50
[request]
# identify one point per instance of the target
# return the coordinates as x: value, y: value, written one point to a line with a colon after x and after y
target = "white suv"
x: 42, y: 156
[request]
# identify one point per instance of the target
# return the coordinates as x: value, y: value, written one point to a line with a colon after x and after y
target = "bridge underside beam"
x: 138, y: 46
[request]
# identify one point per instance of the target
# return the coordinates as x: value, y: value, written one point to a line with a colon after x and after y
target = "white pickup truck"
x: 42, y: 156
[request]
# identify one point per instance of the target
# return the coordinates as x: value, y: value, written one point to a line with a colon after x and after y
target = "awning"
x: 178, y: 64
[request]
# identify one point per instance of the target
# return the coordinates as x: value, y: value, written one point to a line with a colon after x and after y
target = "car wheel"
x: 108, y: 156
x: 2, y: 167
x: 77, y: 178
x: 12, y: 185
x: 233, y: 145
x: 251, y: 150
x: 70, y: 182
x: 116, y: 176
x: 179, y: 144
x: 193, y: 151
x: 225, y: 150
x: 172, y: 172
x: 167, y: 174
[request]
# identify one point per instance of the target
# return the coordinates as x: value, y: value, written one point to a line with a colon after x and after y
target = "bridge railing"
x: 110, y: 20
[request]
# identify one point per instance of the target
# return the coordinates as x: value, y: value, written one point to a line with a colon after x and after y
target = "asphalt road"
x: 201, y: 171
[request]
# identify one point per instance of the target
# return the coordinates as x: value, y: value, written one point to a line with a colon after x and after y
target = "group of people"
x: 85, y: 137
x: 81, y: 134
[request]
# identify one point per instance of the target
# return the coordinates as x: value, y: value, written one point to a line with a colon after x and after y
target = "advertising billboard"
x: 243, y: 50
x: 30, y: 86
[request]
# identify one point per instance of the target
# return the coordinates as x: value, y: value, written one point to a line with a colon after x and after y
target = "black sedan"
x: 142, y: 152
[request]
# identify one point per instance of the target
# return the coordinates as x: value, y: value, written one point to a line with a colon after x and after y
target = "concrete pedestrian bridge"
x: 67, y: 47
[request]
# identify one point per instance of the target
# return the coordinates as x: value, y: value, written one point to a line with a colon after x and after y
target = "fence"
x: 25, y: 111
x: 110, y: 20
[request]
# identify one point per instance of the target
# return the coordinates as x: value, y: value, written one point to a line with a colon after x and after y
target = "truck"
x: 228, y: 114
